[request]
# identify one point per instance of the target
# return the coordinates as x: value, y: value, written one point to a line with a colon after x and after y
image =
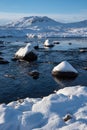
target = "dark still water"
x: 15, y: 81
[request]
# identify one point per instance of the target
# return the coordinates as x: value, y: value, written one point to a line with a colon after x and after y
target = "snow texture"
x: 25, y: 50
x: 64, y: 110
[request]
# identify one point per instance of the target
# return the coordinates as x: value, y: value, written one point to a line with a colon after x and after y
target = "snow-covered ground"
x: 66, y: 109
x: 35, y: 26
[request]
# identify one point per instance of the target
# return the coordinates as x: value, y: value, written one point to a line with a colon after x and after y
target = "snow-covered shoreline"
x: 66, y: 109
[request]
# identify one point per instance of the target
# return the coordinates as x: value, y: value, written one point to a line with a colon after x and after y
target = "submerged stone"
x: 4, y: 62
x: 56, y: 42
x: 34, y: 74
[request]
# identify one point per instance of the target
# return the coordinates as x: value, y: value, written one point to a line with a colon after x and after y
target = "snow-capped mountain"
x: 27, y: 22
x: 44, y: 27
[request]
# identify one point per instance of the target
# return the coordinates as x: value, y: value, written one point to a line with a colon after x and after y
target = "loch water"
x: 16, y: 83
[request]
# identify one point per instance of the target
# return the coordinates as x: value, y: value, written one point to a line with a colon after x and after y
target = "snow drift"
x: 66, y: 109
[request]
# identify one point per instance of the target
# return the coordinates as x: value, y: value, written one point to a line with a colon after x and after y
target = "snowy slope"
x: 27, y: 22
x: 81, y: 24
x: 44, y: 27
x: 64, y: 110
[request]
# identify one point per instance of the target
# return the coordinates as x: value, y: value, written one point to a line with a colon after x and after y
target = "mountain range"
x: 44, y: 27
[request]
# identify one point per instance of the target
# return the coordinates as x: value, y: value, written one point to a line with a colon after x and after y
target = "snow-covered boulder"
x: 64, y: 70
x: 47, y: 43
x: 26, y: 53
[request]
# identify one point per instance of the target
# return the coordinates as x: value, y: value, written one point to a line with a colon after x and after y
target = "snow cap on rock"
x: 64, y: 70
x: 24, y: 50
x: 27, y: 53
x: 47, y: 43
x: 65, y: 67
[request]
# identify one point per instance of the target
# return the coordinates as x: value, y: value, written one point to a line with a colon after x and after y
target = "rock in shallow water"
x: 2, y: 61
x: 34, y: 74
x: 47, y: 43
x: 56, y: 42
x: 9, y: 76
x: 31, y: 56
x: 27, y: 53
x: 67, y: 117
x: 64, y: 70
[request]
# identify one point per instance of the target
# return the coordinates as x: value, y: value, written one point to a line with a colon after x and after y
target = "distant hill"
x: 27, y: 22
x: 81, y: 24
x: 44, y: 26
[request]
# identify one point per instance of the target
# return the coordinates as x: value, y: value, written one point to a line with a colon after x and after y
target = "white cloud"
x: 69, y: 17
x: 10, y: 15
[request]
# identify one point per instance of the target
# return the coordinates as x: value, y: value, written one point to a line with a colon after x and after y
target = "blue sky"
x: 61, y: 10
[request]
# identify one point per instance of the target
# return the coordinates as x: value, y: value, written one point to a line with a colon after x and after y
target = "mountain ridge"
x: 30, y: 21
x: 44, y: 27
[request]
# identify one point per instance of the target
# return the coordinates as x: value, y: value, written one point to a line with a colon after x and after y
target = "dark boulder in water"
x: 1, y: 58
x: 34, y: 74
x: 47, y: 43
x: 14, y: 59
x: 9, y: 76
x: 27, y: 53
x: 56, y: 42
x: 31, y: 56
x: 65, y: 75
x: 2, y: 61
x: 70, y: 43
x: 64, y: 70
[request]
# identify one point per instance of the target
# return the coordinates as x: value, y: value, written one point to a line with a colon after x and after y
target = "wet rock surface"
x: 3, y: 61
x: 67, y: 117
x: 64, y: 75
x: 29, y: 57
x: 56, y: 42
x: 34, y: 74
